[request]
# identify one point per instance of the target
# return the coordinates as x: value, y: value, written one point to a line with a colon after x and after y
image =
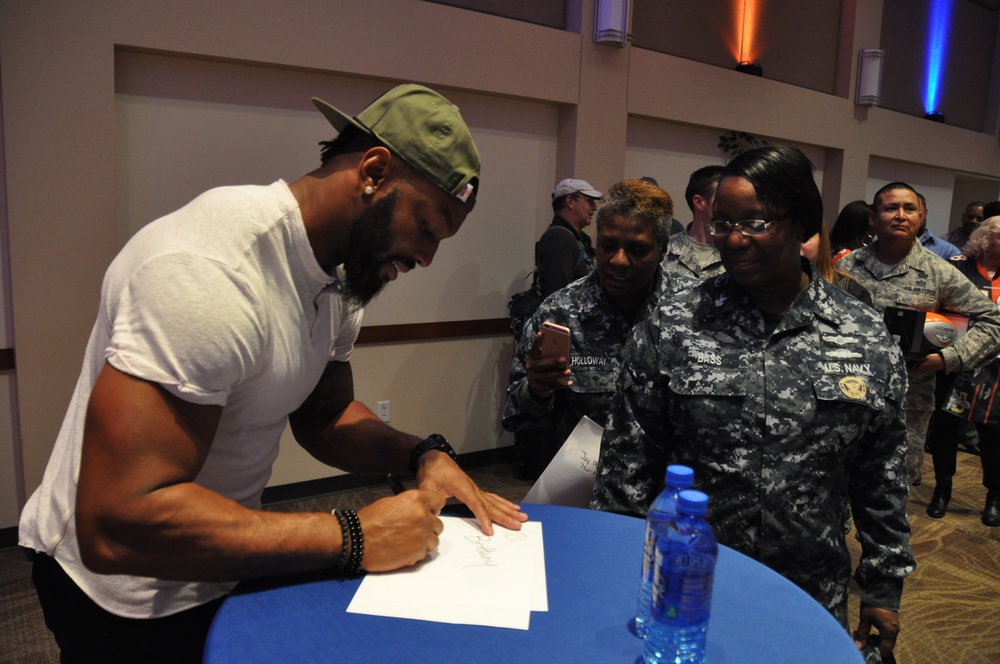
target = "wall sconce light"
x: 750, y: 68
x: 869, y: 91
x: 612, y: 19
x: 936, y: 116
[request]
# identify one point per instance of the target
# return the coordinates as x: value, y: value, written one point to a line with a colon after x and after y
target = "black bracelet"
x: 345, y: 541
x: 357, y: 543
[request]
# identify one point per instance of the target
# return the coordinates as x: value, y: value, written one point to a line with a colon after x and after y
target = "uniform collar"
x: 723, y: 302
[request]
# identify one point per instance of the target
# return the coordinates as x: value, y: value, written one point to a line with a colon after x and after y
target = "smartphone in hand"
x: 555, y: 340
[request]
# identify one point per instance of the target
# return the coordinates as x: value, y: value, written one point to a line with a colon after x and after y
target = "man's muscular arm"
x: 342, y: 432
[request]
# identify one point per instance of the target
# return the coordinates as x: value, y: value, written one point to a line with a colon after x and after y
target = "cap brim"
x: 339, y: 120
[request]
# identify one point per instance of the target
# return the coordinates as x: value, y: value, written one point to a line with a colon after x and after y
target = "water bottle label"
x: 648, y: 554
x: 682, y: 588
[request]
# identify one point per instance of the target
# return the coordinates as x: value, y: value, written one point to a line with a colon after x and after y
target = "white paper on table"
x: 570, y: 476
x: 471, y: 579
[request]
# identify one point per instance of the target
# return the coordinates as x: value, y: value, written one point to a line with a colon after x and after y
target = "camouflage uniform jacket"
x: 681, y: 257
x: 599, y: 330
x: 784, y: 430
x: 923, y: 281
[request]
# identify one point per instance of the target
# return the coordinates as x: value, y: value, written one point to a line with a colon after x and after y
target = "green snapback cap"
x: 425, y: 130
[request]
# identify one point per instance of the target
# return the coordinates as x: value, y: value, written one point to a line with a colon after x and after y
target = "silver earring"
x: 369, y: 190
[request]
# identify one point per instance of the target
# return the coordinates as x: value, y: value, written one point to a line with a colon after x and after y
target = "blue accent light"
x: 937, y: 44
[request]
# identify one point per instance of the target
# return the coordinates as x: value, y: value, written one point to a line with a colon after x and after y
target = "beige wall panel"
x: 456, y: 388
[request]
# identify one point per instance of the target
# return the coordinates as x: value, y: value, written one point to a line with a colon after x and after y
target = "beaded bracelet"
x: 345, y: 541
x: 357, y: 543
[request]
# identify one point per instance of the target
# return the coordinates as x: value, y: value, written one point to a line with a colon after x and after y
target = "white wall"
x: 11, y: 484
x: 670, y: 152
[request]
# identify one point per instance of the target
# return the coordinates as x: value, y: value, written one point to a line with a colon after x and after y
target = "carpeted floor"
x: 950, y: 612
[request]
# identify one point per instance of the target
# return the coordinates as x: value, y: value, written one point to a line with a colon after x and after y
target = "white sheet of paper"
x: 472, y: 579
x: 569, y: 478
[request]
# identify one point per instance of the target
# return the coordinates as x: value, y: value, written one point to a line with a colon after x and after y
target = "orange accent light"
x: 746, y: 14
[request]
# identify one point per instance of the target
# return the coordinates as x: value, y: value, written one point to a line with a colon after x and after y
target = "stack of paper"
x: 472, y: 579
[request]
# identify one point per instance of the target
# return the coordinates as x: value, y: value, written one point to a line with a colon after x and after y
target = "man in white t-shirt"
x: 218, y: 324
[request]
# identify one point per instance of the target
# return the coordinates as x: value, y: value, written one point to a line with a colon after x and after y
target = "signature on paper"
x: 487, y: 553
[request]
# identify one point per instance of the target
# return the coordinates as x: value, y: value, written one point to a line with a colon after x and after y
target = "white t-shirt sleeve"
x: 345, y: 324
x: 187, y: 323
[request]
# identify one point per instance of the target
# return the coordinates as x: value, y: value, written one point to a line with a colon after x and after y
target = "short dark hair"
x: 991, y: 209
x: 782, y: 177
x: 891, y: 187
x: 701, y: 181
x: 638, y: 199
x: 559, y: 203
x: 349, y: 141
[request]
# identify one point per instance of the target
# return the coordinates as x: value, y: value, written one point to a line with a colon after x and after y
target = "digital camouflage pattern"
x: 785, y: 427
x: 924, y: 281
x: 598, y: 333
x: 682, y: 258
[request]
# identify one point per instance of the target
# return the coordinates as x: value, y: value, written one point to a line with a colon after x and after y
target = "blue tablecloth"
x: 592, y: 562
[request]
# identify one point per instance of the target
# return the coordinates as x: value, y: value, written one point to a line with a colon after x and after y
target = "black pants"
x: 87, y: 633
x: 944, y: 448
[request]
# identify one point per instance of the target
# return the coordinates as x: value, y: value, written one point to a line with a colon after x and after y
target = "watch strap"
x: 435, y: 441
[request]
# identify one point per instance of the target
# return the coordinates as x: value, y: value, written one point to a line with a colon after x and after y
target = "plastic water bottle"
x: 661, y: 512
x: 682, y: 585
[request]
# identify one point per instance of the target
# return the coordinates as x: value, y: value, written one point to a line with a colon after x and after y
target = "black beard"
x: 369, y: 240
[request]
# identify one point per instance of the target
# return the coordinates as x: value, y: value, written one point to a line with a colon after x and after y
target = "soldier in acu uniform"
x: 783, y: 393
x: 899, y: 272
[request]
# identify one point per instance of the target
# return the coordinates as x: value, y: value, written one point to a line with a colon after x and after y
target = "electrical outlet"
x: 383, y: 411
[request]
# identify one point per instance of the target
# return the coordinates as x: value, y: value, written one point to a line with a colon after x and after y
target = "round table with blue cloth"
x: 592, y: 562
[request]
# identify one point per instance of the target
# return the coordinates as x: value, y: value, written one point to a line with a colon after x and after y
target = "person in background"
x: 783, y: 393
x: 972, y: 216
x: 218, y: 324
x: 817, y: 250
x: 632, y: 229
x: 964, y: 431
x: 564, y: 252
x: 852, y: 229
x: 693, y: 252
x: 970, y: 396
x: 932, y: 242
x: 899, y: 272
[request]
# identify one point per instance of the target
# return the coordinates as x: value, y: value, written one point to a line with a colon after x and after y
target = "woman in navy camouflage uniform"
x: 785, y: 396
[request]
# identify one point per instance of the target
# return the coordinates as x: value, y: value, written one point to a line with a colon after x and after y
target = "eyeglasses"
x: 747, y: 227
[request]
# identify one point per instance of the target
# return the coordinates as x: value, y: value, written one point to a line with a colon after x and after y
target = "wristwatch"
x: 435, y: 441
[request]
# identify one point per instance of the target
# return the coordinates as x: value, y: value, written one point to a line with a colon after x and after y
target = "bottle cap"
x: 692, y: 503
x: 679, y: 476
